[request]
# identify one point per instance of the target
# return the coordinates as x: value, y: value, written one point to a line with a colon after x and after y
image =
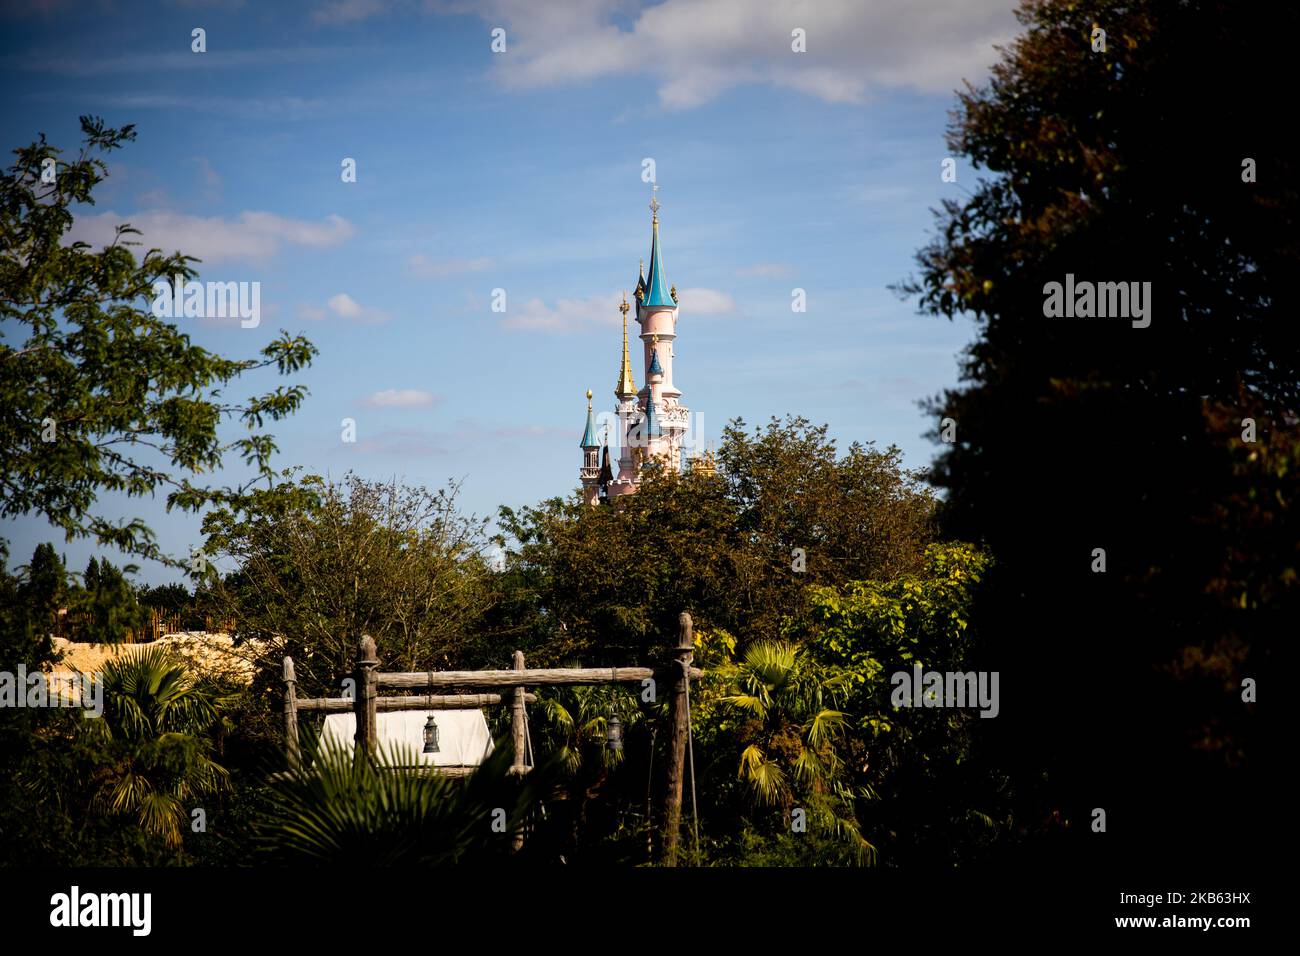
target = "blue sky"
x: 522, y: 170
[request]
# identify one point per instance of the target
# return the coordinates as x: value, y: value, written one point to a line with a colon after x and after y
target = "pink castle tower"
x: 652, y: 421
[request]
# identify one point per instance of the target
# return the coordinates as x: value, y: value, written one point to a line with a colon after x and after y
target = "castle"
x: 652, y: 421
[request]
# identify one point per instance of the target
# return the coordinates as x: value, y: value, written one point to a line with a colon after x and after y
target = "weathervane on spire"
x: 654, y: 201
x: 624, y: 307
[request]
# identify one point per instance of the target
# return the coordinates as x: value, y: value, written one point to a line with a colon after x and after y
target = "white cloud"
x: 401, y: 398
x: 423, y: 267
x: 568, y: 315
x: 571, y: 315
x: 346, y: 307
x: 697, y: 49
x: 252, y: 236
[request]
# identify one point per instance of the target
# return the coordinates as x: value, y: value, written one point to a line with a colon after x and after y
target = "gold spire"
x: 626, y: 388
x: 654, y: 203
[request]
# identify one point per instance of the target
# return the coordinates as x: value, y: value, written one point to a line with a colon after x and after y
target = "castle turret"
x: 590, y: 472
x: 657, y: 314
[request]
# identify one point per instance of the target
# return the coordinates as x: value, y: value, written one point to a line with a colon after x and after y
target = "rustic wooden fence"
x: 71, y: 625
x: 675, y: 673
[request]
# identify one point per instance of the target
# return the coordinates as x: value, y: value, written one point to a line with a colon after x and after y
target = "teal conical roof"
x: 655, y: 367
x: 657, y: 290
x: 651, y: 420
x: 589, y: 435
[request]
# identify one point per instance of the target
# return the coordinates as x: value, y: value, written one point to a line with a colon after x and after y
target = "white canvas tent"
x: 463, y: 737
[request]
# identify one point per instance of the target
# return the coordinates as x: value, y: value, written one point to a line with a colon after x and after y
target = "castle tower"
x: 652, y: 421
x: 590, y: 472
x: 657, y: 316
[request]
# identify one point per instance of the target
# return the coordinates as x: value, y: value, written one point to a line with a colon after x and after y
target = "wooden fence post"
x: 518, y: 733
x: 678, y: 727
x: 290, y: 715
x: 367, y: 691
x: 518, y: 730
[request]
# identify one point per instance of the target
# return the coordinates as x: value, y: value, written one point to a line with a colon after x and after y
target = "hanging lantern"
x: 430, y: 736
x: 614, y: 733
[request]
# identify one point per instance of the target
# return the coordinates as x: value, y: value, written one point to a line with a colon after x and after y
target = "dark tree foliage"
x: 1123, y: 689
x: 736, y: 549
x: 105, y: 609
x: 97, y: 393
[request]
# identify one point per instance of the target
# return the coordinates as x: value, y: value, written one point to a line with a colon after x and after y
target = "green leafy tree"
x: 106, y: 609
x: 605, y: 585
x: 25, y: 602
x: 317, y: 564
x: 932, y: 797
x: 1088, y: 440
x: 97, y: 394
x: 44, y: 588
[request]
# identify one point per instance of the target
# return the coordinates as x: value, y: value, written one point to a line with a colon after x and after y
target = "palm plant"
x: 155, y: 724
x: 389, y: 811
x: 572, y: 725
x: 574, y: 721
x: 791, y: 751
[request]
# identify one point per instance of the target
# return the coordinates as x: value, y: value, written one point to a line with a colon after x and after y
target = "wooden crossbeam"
x: 528, y: 678
x: 341, y: 705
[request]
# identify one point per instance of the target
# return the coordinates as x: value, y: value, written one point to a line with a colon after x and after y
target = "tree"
x: 792, y: 740
x: 44, y: 588
x: 1106, y: 466
x: 155, y: 727
x: 24, y: 640
x: 96, y: 392
x: 319, y: 563
x: 105, y: 610
x: 594, y: 783
x: 606, y: 585
x: 933, y: 795
x: 737, y: 549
